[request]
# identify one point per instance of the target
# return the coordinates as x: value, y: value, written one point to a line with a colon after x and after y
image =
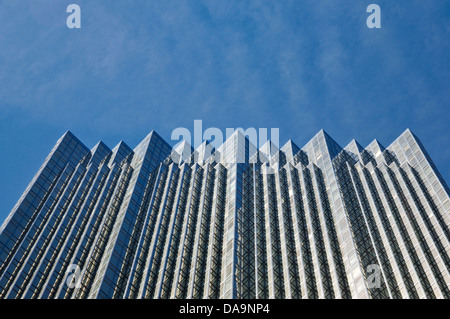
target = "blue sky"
x: 140, y: 65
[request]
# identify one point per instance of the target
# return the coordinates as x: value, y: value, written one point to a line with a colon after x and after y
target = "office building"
x: 319, y: 221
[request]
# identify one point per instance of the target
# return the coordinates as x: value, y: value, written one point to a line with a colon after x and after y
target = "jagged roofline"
x: 103, y: 154
x: 352, y: 146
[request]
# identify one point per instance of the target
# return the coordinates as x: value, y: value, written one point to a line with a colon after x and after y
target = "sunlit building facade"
x: 314, y: 222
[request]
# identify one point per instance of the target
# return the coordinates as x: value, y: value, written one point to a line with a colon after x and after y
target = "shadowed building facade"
x: 150, y: 222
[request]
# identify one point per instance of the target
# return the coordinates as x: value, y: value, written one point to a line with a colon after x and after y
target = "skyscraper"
x: 314, y: 222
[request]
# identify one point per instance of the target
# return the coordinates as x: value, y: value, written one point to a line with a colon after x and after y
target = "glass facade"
x: 314, y: 222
